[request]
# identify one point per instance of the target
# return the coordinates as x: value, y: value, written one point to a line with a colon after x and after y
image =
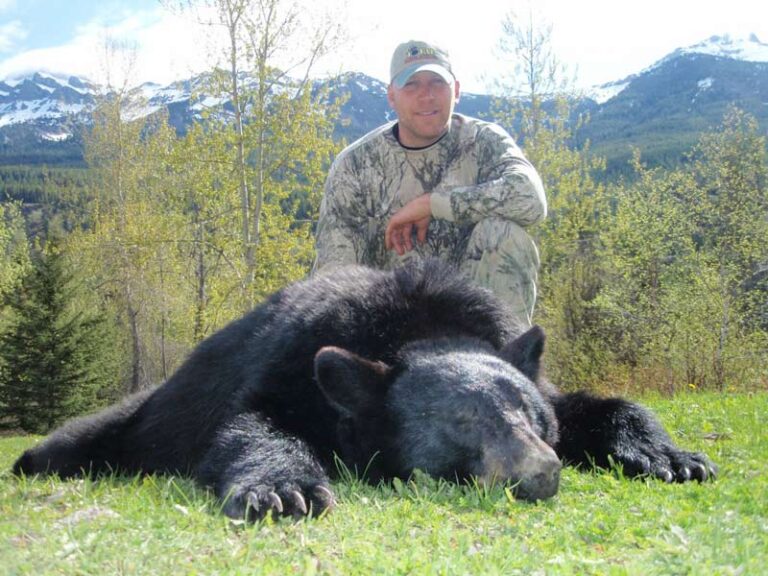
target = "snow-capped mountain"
x: 42, y: 96
x: 661, y: 109
x: 748, y: 49
x: 41, y: 109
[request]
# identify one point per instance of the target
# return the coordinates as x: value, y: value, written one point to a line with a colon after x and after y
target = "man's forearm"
x: 517, y: 196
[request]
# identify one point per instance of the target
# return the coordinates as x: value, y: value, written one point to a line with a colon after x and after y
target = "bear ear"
x: 524, y: 352
x: 350, y: 383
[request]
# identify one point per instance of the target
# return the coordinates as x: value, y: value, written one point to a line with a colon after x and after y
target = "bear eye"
x: 512, y: 394
x: 465, y: 420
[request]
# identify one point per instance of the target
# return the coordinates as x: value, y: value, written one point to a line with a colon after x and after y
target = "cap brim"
x: 409, y: 71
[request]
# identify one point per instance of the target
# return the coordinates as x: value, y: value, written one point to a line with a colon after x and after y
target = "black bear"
x: 389, y: 372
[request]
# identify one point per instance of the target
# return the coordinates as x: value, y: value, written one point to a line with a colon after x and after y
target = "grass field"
x: 599, y: 523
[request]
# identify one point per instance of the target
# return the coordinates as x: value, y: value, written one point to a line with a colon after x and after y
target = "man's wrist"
x: 440, y: 206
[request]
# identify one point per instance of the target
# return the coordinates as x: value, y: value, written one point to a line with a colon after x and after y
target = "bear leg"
x: 87, y: 446
x: 256, y: 470
x: 596, y: 431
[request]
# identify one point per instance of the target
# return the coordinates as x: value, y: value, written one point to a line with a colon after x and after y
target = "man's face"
x: 424, y: 107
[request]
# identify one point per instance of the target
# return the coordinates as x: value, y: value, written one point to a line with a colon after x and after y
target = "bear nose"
x: 524, y: 460
x: 541, y: 484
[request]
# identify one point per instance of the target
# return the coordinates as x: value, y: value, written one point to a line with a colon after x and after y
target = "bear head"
x: 453, y: 407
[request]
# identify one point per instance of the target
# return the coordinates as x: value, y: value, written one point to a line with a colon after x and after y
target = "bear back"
x: 374, y: 314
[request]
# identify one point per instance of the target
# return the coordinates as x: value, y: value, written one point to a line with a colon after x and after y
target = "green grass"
x: 599, y: 523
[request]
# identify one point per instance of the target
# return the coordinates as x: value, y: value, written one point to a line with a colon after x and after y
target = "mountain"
x: 40, y: 119
x: 663, y: 109
x: 660, y: 110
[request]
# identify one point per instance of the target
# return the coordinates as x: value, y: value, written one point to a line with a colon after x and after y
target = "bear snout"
x: 540, y: 485
x: 526, y: 462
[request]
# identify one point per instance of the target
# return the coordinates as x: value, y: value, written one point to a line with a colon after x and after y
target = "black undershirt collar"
x: 396, y: 133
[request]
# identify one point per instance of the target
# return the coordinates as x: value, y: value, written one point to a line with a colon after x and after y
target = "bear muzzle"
x: 526, y: 462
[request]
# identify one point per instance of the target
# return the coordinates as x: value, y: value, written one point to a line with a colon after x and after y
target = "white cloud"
x: 165, y: 46
x: 146, y: 46
x: 175, y: 47
x: 10, y: 34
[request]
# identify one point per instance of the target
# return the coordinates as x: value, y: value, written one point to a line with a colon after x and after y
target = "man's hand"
x: 417, y: 213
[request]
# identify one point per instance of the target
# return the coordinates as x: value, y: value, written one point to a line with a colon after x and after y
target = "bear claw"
x: 252, y: 502
x: 259, y: 506
x: 704, y: 471
x: 275, y: 503
x: 299, y: 503
x: 322, y: 491
x: 290, y: 500
x: 666, y: 476
x: 698, y: 468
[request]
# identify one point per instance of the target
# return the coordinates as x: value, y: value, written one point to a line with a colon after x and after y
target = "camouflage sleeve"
x: 508, y: 187
x: 337, y: 227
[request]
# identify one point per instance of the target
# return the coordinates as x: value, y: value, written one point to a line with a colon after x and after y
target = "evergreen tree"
x: 55, y: 355
x: 14, y: 252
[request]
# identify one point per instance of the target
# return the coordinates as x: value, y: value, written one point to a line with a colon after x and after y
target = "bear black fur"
x: 390, y: 371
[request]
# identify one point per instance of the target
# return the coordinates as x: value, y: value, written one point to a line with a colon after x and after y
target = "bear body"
x: 388, y: 371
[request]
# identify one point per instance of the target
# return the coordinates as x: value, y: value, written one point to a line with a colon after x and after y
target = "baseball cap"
x: 414, y: 56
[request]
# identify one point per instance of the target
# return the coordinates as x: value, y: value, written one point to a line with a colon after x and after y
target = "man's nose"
x: 427, y: 91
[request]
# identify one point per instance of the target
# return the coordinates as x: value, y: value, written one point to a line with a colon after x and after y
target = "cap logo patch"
x: 418, y: 53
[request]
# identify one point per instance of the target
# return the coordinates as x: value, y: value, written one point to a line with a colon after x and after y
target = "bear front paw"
x: 691, y: 466
x: 255, y: 503
x: 667, y: 463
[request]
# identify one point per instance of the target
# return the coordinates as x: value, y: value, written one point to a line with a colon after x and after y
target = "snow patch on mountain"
x: 601, y: 94
x: 208, y: 102
x: 29, y: 111
x: 56, y: 137
x: 748, y: 49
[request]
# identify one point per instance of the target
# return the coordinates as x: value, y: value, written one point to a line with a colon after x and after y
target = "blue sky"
x: 600, y: 40
x: 67, y: 36
x: 46, y: 23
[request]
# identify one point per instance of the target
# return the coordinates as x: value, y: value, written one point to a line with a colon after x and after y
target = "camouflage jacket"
x: 475, y: 171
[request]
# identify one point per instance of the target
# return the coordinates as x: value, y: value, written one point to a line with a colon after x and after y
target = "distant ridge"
x: 661, y: 109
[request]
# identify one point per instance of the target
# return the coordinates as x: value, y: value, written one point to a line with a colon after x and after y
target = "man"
x: 461, y: 186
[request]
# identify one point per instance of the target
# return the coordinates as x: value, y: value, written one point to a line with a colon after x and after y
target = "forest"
x: 110, y: 274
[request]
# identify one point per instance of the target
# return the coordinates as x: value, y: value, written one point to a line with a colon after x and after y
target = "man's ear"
x: 524, y: 352
x: 391, y: 96
x: 351, y: 383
